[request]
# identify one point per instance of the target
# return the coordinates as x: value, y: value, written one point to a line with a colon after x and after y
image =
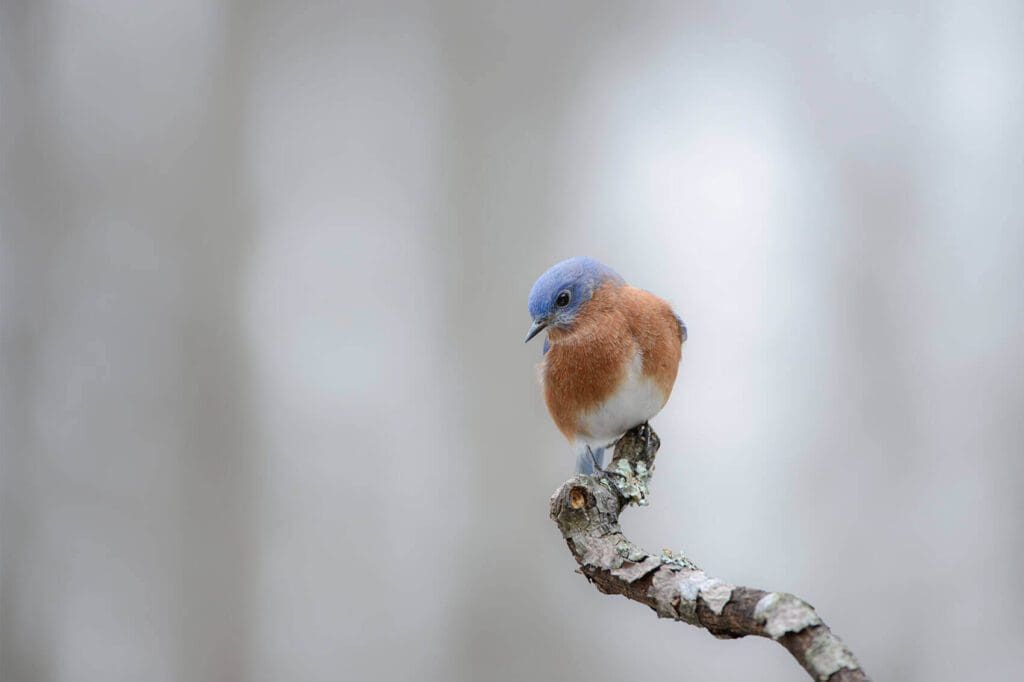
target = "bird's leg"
x: 647, y: 438
x: 593, y: 461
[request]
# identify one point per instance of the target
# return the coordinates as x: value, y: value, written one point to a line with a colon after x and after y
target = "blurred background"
x: 266, y: 409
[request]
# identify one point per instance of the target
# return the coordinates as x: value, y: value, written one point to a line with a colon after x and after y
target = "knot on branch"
x: 626, y: 480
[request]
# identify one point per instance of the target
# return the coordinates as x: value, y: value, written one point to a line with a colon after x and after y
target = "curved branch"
x: 586, y: 510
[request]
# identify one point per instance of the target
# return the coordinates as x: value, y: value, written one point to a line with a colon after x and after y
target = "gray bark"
x: 586, y: 510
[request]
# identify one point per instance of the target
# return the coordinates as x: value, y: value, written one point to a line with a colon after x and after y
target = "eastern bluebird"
x: 611, y: 355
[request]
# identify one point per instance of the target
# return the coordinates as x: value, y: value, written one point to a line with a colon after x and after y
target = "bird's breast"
x: 637, y: 398
x: 579, y: 377
x: 615, y: 369
x: 597, y: 394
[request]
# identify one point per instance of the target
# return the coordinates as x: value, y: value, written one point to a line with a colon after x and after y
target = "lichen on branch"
x: 586, y: 509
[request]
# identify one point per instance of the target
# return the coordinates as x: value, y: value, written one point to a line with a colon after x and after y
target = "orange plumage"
x: 586, y: 364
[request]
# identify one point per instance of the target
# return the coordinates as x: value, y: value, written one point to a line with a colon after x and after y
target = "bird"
x: 610, y: 358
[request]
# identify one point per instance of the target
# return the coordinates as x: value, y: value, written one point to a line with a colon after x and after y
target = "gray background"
x: 267, y: 413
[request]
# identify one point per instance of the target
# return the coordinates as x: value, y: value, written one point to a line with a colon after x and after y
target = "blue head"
x: 556, y: 298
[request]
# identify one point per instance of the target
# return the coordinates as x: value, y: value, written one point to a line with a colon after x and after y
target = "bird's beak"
x: 537, y: 328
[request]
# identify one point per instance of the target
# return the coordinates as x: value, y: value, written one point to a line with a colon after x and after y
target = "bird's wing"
x: 679, y: 320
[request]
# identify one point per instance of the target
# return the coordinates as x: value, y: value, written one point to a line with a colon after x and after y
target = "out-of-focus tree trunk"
x: 127, y: 476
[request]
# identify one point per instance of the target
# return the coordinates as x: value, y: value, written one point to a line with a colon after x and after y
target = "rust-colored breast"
x: 657, y: 331
x: 586, y: 365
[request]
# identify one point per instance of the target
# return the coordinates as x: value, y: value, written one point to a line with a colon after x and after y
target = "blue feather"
x: 580, y: 277
x: 682, y: 326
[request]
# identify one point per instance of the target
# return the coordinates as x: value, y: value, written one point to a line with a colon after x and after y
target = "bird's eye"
x: 562, y: 299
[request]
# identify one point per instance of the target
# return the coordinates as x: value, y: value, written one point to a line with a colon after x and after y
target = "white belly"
x: 637, y: 400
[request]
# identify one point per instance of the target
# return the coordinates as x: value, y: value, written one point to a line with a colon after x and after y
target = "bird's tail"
x: 585, y: 460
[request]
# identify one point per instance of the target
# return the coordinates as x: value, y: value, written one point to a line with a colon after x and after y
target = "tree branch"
x: 587, y: 508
